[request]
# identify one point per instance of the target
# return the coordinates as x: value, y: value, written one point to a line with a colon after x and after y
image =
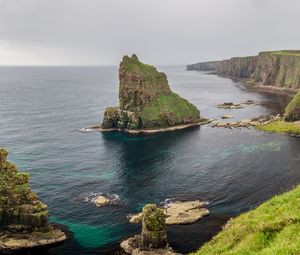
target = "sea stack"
x: 146, y: 101
x: 23, y: 217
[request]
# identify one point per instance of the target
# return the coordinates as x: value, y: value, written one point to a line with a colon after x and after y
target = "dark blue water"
x: 43, y: 108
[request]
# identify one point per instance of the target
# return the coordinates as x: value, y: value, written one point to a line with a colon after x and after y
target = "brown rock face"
x: 139, y: 84
x: 241, y: 67
x: 278, y: 69
x: 154, y: 229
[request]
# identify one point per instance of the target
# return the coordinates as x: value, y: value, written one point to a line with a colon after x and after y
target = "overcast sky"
x: 100, y: 32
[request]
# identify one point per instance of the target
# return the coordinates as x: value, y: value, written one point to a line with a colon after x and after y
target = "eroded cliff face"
x: 241, y: 67
x: 281, y: 69
x: 274, y: 68
x: 204, y: 66
x: 146, y: 100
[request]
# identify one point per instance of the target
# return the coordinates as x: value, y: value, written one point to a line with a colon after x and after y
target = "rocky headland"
x: 271, y: 70
x: 146, y: 102
x: 23, y: 217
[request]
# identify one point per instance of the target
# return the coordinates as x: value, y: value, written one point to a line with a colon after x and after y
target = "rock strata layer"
x: 146, y: 101
x: 23, y: 217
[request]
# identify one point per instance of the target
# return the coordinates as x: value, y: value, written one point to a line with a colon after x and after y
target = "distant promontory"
x: 277, y: 69
x: 146, y: 102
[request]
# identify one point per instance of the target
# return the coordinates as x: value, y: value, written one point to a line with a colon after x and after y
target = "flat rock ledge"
x: 179, y: 213
x: 132, y: 246
x: 246, y: 123
x: 202, y: 121
x: 14, y: 242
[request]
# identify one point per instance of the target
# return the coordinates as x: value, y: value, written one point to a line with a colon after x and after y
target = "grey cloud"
x: 159, y: 31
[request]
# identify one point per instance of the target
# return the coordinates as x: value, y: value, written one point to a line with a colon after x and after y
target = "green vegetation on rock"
x: 146, y: 100
x: 292, y: 110
x: 19, y: 205
x: 272, y: 228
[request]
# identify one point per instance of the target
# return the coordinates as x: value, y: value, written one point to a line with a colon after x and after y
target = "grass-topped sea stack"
x: 23, y: 218
x: 146, y: 101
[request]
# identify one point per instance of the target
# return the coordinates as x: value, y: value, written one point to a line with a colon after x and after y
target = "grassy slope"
x: 284, y: 52
x: 174, y: 106
x: 280, y: 126
x: 272, y: 228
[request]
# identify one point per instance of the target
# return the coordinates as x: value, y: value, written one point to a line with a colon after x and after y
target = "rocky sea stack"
x: 23, y: 218
x: 146, y: 101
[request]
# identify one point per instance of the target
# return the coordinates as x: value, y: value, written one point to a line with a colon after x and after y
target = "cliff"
x: 273, y: 68
x: 241, y: 67
x: 271, y: 228
x: 292, y: 111
x: 278, y: 68
x: 203, y: 66
x: 23, y: 218
x: 146, y: 100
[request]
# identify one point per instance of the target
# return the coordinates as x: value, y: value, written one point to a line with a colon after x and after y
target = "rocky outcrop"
x: 274, y: 68
x: 179, y: 212
x: 146, y: 101
x: 292, y: 111
x: 23, y: 218
x: 153, y: 239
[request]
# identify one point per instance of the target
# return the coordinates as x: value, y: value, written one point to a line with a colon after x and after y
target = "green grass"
x: 133, y: 65
x: 280, y: 126
x: 293, y: 108
x: 284, y: 52
x: 272, y: 228
x: 168, y: 110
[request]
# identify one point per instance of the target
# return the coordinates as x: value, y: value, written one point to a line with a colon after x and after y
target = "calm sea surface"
x: 42, y: 110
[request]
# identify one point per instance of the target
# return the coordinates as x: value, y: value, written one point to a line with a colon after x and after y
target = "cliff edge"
x: 146, y: 101
x: 270, y: 68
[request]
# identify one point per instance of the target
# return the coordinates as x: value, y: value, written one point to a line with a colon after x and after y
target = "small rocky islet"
x: 23, y: 217
x: 146, y: 102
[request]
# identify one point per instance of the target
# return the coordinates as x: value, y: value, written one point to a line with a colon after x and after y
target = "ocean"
x: 42, y: 112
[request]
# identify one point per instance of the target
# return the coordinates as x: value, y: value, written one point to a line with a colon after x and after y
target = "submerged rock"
x: 227, y: 116
x: 101, y: 201
x: 23, y: 217
x: 178, y: 212
x: 230, y: 105
x: 146, y: 101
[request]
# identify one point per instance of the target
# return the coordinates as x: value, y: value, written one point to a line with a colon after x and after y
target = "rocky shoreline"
x: 152, y: 131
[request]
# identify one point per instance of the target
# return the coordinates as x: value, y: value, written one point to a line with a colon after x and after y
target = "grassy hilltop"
x: 272, y: 228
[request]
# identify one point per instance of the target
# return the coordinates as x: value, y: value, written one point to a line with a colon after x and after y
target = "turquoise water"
x: 43, y: 108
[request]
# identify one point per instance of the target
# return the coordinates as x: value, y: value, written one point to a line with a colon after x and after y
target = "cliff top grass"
x: 133, y: 65
x: 281, y: 126
x: 271, y: 228
x: 284, y: 52
x: 174, y: 107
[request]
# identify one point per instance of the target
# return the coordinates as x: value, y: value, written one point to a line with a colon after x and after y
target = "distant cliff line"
x: 270, y: 68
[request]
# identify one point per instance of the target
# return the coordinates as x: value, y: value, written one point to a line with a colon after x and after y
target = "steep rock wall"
x: 281, y: 69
